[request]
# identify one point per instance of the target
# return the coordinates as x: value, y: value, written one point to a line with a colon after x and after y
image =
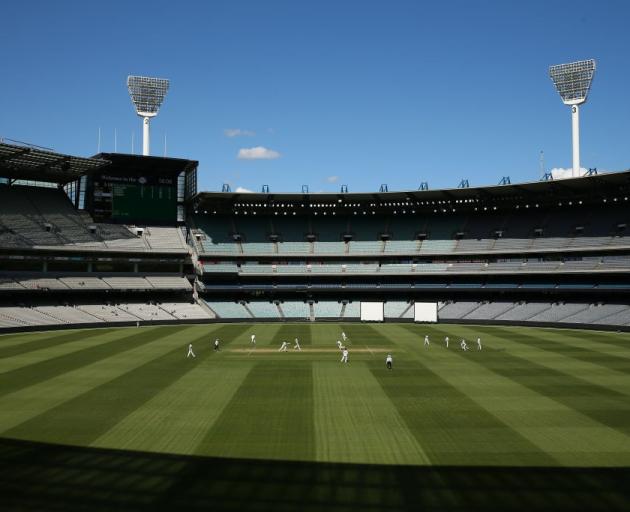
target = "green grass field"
x: 531, y: 397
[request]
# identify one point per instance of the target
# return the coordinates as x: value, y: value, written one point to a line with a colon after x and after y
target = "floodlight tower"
x: 573, y: 81
x: 147, y: 95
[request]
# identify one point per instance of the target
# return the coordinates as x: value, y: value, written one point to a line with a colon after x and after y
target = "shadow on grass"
x: 37, y: 476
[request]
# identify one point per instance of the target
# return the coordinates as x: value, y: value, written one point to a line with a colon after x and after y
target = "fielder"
x: 297, y: 345
x: 446, y: 341
x: 388, y: 361
x: 284, y: 346
x: 478, y: 343
x: 464, y: 345
x: 216, y: 345
x: 343, y: 336
x: 344, y: 356
x: 426, y: 341
x: 253, y: 341
x: 190, y: 352
x: 339, y: 345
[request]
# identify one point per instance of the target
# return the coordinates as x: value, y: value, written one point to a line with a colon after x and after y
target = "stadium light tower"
x: 573, y: 81
x: 147, y: 95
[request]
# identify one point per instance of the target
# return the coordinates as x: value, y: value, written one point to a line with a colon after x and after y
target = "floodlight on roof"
x: 147, y: 95
x: 573, y: 81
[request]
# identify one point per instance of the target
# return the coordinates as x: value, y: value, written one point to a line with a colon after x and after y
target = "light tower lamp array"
x: 573, y: 81
x: 147, y: 95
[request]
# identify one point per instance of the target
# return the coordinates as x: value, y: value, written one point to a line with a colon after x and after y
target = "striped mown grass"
x: 532, y: 397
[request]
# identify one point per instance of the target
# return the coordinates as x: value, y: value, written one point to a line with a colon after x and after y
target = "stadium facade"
x: 128, y: 239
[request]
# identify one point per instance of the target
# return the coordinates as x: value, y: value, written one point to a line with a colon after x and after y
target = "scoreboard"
x: 134, y: 199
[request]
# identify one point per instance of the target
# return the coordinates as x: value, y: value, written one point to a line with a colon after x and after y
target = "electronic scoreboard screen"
x: 134, y: 199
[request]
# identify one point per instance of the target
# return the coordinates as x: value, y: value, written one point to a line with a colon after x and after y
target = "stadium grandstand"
x: 544, y: 252
x: 132, y: 236
x: 93, y: 240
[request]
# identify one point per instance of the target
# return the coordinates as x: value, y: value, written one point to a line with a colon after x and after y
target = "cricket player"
x: 253, y: 341
x: 339, y: 344
x: 478, y: 343
x: 284, y: 346
x: 446, y: 341
x: 343, y: 336
x: 464, y: 345
x: 216, y: 345
x: 426, y: 341
x: 190, y: 352
x: 344, y: 356
x: 297, y: 345
x: 388, y: 361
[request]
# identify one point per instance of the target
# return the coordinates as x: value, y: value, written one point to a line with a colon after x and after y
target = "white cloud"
x: 561, y: 173
x: 332, y: 179
x: 257, y: 153
x: 242, y: 190
x: 237, y: 132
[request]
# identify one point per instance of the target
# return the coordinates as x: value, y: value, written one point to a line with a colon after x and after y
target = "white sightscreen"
x: 372, y: 311
x: 425, y: 312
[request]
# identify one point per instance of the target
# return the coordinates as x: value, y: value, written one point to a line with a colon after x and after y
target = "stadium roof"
x: 30, y: 163
x: 585, y: 186
x: 150, y: 165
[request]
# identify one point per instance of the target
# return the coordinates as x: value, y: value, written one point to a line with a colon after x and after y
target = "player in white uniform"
x: 478, y: 343
x: 216, y: 344
x: 339, y: 345
x: 426, y: 341
x: 190, y: 351
x: 463, y: 345
x: 297, y: 345
x: 446, y: 341
x: 253, y: 341
x: 389, y: 361
x: 344, y: 356
x: 284, y: 346
x: 343, y: 336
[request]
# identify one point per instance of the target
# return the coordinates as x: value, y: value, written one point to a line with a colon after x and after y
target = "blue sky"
x: 341, y: 92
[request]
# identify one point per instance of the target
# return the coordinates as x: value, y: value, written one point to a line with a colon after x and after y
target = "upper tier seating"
x: 45, y: 217
x: 426, y: 234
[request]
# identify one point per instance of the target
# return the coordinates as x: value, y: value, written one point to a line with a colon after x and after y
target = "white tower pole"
x: 146, y: 143
x: 575, y: 124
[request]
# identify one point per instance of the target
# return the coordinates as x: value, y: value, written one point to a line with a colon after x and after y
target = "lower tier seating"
x: 45, y: 315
